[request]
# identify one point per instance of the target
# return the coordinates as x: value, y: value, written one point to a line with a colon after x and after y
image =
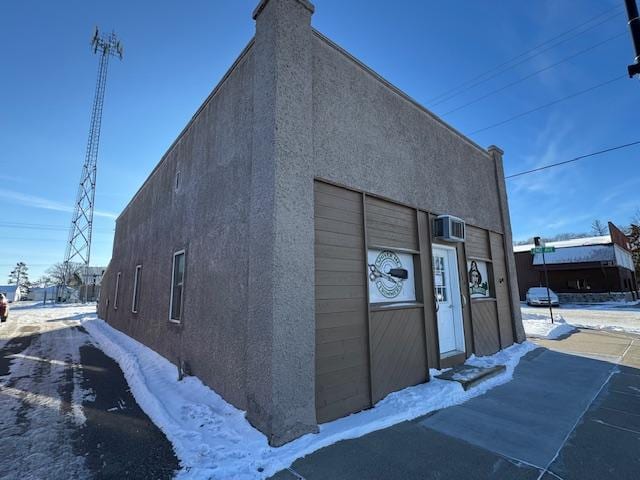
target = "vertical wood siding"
x: 430, y: 323
x: 398, y: 356
x: 342, y: 352
x: 501, y: 285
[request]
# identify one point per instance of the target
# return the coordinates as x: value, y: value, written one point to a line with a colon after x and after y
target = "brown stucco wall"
x: 208, y: 217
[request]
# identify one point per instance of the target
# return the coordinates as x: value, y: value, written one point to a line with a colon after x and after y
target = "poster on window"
x: 478, y: 279
x: 391, y: 276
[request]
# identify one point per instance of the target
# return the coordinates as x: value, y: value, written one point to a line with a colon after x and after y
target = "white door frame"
x: 455, y: 296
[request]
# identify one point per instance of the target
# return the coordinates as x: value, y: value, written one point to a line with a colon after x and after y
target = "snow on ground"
x: 538, y: 325
x: 614, y: 316
x: 213, y: 439
x: 40, y: 404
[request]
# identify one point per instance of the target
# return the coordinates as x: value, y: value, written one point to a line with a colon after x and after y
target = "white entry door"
x: 447, y: 293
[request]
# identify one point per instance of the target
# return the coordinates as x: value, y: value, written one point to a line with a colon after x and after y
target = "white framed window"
x: 115, y: 296
x: 136, y: 289
x: 177, y: 287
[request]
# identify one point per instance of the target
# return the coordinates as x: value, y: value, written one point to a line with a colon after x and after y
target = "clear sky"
x: 176, y: 52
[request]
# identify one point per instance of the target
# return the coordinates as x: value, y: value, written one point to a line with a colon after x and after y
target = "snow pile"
x: 539, y: 326
x: 213, y: 439
x: 612, y: 316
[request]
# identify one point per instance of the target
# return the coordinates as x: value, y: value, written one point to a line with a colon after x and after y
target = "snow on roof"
x: 574, y: 242
x: 11, y: 292
x: 588, y: 253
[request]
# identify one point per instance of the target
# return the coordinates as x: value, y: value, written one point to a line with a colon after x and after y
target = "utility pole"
x: 79, y: 244
x: 634, y: 28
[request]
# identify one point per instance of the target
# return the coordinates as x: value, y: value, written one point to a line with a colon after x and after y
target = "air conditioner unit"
x: 449, y: 228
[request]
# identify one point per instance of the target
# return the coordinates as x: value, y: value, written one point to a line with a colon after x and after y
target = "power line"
x: 40, y: 226
x: 541, y: 107
x: 593, y: 154
x: 526, y: 77
x: 528, y: 55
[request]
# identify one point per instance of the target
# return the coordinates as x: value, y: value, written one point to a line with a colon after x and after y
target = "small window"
x: 177, y: 286
x: 115, y: 296
x: 177, y: 179
x: 136, y: 289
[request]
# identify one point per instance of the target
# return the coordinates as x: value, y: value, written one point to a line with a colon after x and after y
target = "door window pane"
x: 440, y: 278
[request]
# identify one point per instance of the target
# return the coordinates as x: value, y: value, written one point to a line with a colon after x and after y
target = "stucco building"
x: 286, y: 249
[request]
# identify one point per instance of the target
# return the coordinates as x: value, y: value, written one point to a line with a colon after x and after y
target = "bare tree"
x: 60, y: 274
x: 598, y: 228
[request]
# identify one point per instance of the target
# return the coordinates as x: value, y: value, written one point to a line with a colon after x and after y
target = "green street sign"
x: 542, y: 250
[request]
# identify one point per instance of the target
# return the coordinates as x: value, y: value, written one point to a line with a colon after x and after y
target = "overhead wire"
x: 528, y: 55
x: 549, y: 104
x: 533, y: 74
x: 581, y: 157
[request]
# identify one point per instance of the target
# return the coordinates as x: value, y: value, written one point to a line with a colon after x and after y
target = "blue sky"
x: 175, y: 53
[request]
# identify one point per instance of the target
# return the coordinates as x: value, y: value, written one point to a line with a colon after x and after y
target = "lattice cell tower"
x: 78, y: 252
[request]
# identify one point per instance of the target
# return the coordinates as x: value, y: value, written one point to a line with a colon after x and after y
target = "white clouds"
x: 34, y: 201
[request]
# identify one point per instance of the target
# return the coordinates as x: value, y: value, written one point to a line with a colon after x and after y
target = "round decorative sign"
x: 388, y: 286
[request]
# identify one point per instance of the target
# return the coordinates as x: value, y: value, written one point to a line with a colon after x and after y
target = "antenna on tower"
x: 78, y: 251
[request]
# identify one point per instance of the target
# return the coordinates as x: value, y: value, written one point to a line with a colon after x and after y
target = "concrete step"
x: 469, y: 375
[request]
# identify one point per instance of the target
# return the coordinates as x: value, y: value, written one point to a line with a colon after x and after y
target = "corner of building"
x: 518, y: 329
x: 281, y: 326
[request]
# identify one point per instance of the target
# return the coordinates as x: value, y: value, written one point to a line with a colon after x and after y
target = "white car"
x: 538, y: 296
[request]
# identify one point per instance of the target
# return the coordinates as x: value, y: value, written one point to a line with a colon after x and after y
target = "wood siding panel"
x: 430, y: 322
x: 342, y: 353
x: 501, y: 285
x: 398, y: 353
x: 391, y: 225
x: 485, y: 327
x: 477, y: 243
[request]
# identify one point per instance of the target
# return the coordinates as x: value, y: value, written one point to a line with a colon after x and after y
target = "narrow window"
x: 115, y: 296
x: 177, y: 285
x: 136, y: 289
x: 177, y: 179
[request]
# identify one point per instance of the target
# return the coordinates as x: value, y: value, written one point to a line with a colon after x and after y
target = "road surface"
x: 65, y: 408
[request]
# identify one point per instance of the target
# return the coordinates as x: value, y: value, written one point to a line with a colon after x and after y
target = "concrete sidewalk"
x: 562, y: 416
x: 616, y: 347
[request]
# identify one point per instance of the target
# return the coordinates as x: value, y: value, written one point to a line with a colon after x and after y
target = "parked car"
x: 538, y: 296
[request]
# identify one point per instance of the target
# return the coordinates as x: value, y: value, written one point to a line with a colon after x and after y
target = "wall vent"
x: 449, y: 228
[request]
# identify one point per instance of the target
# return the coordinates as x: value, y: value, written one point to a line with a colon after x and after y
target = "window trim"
x: 136, y: 293
x: 115, y: 296
x: 173, y: 271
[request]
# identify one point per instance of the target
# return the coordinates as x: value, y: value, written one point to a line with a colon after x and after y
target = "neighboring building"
x: 42, y: 293
x: 283, y: 250
x: 583, y: 269
x: 86, y: 281
x: 12, y: 292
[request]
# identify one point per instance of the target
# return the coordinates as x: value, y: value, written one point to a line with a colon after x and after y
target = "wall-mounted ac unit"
x: 449, y: 228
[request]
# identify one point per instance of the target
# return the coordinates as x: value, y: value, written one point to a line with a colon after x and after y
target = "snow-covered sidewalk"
x: 615, y: 316
x: 214, y: 440
x: 539, y: 325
